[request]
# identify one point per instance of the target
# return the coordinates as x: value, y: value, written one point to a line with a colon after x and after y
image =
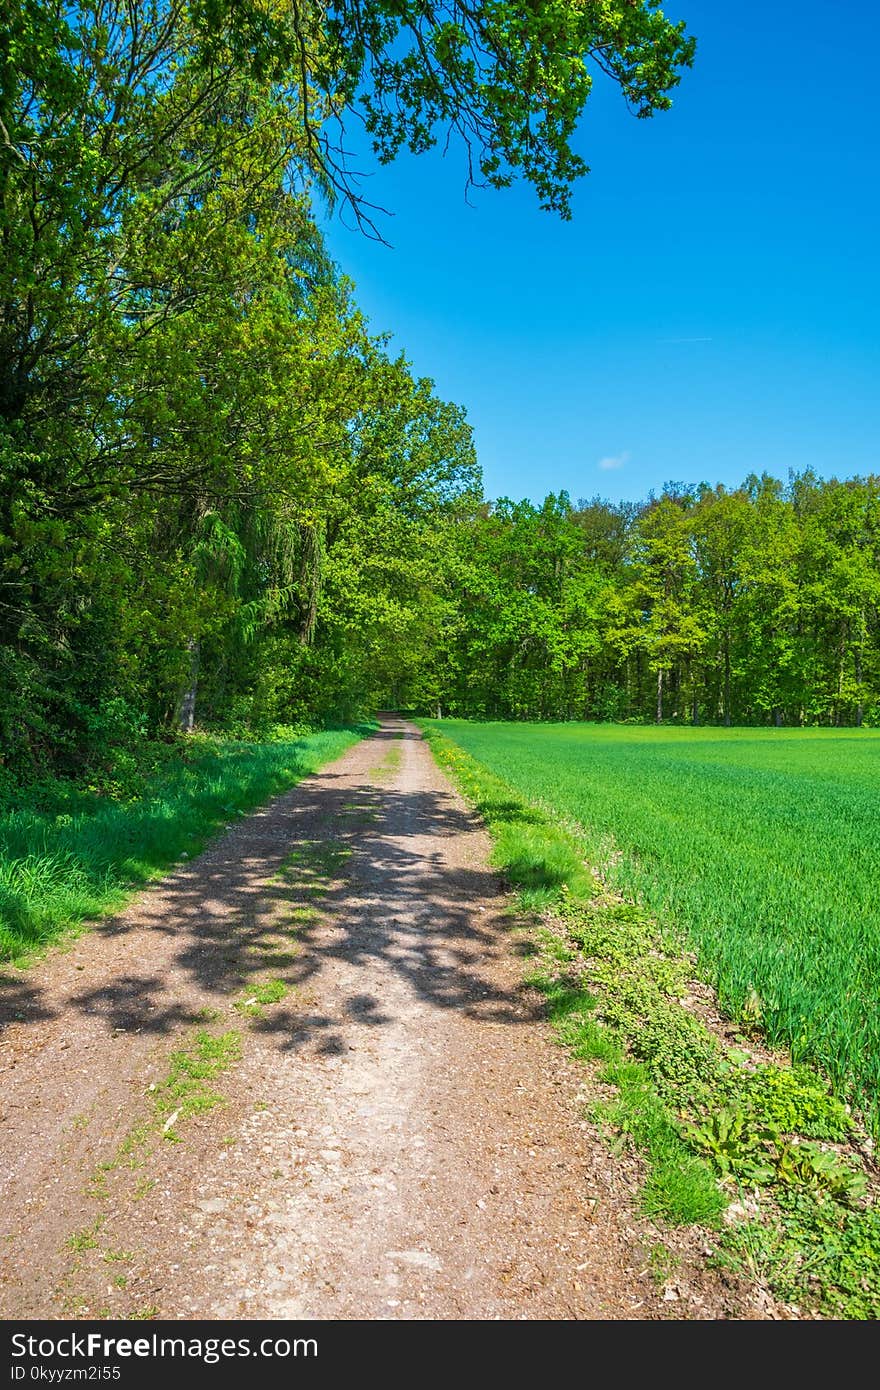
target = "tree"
x: 673, y: 632
x: 721, y: 522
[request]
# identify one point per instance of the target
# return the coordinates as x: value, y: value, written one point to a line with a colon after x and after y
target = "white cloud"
x: 614, y: 460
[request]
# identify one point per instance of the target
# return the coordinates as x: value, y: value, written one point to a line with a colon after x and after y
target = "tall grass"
x: 762, y: 845
x: 67, y: 856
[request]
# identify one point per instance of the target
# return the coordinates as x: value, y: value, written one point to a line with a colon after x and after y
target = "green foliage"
x: 746, y: 1145
x: 799, y: 1164
x: 511, y: 80
x: 221, y: 501
x: 663, y: 1263
x: 816, y: 1253
x: 224, y: 504
x: 197, y: 430
x: 270, y: 992
x: 736, y: 1148
x: 794, y: 1100
x: 80, y: 1241
x: 679, y: 1188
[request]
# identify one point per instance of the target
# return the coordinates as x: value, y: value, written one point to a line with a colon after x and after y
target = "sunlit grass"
x: 59, y: 868
x: 762, y: 845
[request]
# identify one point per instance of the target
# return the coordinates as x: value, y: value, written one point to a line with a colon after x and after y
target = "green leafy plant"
x: 735, y: 1148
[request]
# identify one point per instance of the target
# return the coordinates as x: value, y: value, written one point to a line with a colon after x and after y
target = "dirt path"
x: 399, y: 1136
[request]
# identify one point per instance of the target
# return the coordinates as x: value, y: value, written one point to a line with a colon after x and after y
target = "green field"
x: 761, y: 844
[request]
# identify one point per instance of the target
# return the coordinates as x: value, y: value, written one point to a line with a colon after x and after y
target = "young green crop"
x: 761, y: 844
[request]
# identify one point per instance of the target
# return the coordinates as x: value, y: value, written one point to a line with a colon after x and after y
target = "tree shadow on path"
x: 346, y: 873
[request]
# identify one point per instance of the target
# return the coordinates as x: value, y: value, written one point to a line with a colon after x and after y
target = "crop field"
x: 763, y: 846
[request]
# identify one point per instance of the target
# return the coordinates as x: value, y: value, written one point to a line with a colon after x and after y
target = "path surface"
x: 400, y: 1137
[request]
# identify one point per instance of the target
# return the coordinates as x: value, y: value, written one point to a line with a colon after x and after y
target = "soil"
x: 400, y: 1136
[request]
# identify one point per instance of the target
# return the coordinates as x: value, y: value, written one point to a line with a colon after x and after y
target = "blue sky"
x: 712, y: 308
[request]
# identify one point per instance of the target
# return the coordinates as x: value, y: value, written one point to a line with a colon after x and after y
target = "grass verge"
x: 69, y: 856
x: 732, y: 1138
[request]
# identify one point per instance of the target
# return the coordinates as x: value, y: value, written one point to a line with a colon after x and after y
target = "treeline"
x: 759, y: 605
x: 224, y: 503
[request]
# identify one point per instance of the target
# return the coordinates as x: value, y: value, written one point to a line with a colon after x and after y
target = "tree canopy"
x: 510, y: 81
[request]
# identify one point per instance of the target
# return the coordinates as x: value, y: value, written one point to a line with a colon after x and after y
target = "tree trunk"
x: 187, y: 717
x: 660, y: 696
x: 727, y: 680
x: 310, y: 577
x: 860, y: 708
x: 841, y: 660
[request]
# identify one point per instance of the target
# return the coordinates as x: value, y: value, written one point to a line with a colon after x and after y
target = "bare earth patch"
x: 301, y: 1078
